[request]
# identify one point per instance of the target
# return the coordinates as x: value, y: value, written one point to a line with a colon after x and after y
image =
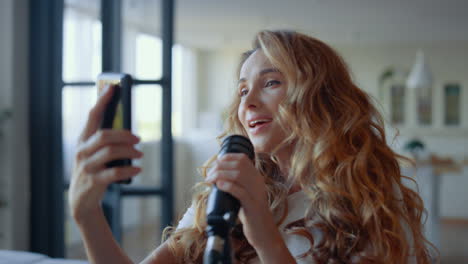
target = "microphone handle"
x: 223, y: 208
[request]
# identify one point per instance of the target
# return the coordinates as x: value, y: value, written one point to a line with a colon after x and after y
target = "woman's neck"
x: 283, y: 157
x: 284, y: 163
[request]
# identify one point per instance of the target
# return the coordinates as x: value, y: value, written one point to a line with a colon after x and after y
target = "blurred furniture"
x: 23, y: 257
x: 444, y: 165
x: 429, y: 189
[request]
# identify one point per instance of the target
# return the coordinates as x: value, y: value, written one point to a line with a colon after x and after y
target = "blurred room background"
x: 411, y: 56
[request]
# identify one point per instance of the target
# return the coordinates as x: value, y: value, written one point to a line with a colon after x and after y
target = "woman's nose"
x: 252, y: 98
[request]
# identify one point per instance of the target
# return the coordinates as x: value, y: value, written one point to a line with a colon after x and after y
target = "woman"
x: 324, y: 188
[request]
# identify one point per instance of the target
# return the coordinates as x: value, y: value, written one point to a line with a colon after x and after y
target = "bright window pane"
x: 148, y: 57
x: 147, y: 111
x: 141, y: 47
x: 81, y: 41
x: 76, y: 104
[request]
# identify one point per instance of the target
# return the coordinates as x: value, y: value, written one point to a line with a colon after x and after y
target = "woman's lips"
x: 259, y: 128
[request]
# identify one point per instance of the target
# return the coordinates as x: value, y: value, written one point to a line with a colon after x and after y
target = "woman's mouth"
x: 257, y: 127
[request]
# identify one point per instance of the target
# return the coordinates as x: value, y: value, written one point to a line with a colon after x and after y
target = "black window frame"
x: 47, y: 209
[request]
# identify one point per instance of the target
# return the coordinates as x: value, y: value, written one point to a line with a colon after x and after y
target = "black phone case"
x: 122, y: 93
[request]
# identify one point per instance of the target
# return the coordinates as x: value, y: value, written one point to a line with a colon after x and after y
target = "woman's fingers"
x: 234, y: 167
x: 105, y: 137
x: 229, y: 181
x: 235, y: 190
x: 95, y: 115
x: 227, y: 175
x: 109, y: 153
x: 114, y: 174
x: 234, y: 157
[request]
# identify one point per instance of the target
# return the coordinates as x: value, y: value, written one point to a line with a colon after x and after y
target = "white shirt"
x: 298, y: 203
x: 297, y: 244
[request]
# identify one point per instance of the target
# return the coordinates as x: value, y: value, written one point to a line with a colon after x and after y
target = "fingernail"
x: 223, y: 184
x: 105, y: 90
x: 209, y: 178
x: 108, y: 88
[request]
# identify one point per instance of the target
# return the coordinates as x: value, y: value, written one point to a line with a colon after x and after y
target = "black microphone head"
x: 237, y: 144
x: 222, y: 204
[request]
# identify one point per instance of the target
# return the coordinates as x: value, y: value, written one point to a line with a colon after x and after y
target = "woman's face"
x: 261, y: 89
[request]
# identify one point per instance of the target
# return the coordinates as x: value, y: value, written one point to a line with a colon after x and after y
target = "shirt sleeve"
x: 188, y: 218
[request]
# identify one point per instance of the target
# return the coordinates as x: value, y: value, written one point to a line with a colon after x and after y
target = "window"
x: 397, y: 104
x: 142, y: 56
x: 452, y: 93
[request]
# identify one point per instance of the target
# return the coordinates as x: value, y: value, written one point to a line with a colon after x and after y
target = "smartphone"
x: 117, y: 114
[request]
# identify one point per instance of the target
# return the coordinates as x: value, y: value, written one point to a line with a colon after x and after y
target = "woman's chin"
x: 263, y: 149
x: 268, y: 146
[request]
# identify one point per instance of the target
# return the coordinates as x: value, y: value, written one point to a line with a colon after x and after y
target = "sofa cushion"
x: 23, y: 257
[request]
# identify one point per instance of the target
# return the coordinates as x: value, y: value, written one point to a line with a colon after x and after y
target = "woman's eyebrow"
x: 262, y: 72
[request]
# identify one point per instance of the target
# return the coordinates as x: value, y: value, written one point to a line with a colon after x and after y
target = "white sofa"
x: 22, y: 257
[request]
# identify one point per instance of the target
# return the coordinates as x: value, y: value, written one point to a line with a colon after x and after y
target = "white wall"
x: 446, y: 60
x: 14, y: 155
x: 215, y: 82
x: 449, y: 63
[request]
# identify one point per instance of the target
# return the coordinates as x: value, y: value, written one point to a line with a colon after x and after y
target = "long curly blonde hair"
x: 340, y: 159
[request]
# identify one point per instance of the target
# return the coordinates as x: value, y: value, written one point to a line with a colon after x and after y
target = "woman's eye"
x: 243, y: 92
x: 271, y: 83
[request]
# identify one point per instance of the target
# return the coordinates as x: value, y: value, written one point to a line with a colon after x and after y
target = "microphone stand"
x: 218, y: 245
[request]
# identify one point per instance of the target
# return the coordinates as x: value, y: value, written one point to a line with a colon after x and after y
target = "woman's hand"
x: 235, y: 173
x: 96, y: 148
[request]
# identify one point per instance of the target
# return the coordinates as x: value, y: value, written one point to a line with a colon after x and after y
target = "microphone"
x: 222, y: 208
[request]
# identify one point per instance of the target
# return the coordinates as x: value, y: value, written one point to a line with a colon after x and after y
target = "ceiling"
x: 335, y: 21
x: 221, y: 23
